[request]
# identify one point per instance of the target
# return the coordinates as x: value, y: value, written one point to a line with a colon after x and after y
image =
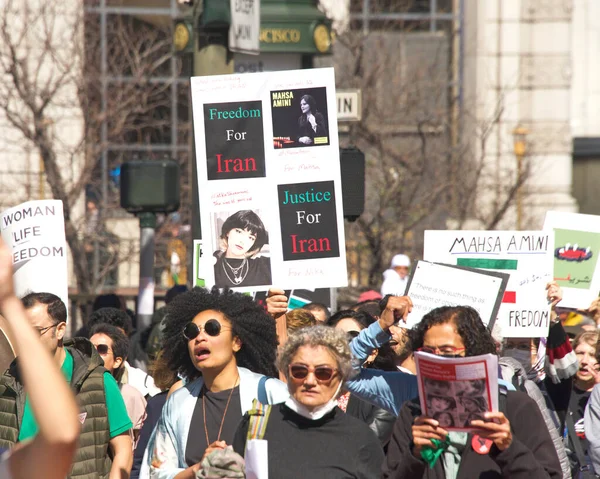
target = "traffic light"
x: 150, y: 186
x: 352, y: 163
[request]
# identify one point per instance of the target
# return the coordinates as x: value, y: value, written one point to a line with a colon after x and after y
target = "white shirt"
x: 393, y: 284
x: 141, y: 381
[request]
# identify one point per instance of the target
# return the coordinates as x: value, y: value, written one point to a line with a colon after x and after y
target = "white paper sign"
x: 525, y: 255
x: 257, y: 459
x: 576, y: 250
x: 269, y: 182
x: 35, y: 233
x: 435, y: 285
x: 244, y: 32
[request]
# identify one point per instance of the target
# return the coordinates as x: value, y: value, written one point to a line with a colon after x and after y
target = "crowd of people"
x: 221, y: 386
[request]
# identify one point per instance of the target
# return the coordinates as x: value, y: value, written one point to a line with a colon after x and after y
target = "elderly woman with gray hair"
x: 308, y: 435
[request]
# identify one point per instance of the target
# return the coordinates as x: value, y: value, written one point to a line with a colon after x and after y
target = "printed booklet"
x: 456, y: 391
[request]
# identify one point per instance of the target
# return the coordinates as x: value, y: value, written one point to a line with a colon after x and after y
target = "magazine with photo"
x: 456, y: 391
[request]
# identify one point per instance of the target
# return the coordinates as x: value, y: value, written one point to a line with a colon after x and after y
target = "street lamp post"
x: 520, y: 149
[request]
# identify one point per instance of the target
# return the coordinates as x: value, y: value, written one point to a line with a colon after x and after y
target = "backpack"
x: 513, y: 371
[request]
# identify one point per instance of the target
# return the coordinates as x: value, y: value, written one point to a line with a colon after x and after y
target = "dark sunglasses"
x: 212, y: 327
x: 322, y: 373
x: 102, y: 349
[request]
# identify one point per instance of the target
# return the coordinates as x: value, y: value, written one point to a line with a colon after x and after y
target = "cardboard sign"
x: 35, y: 233
x: 434, y: 285
x: 576, y: 251
x: 269, y: 182
x: 525, y: 255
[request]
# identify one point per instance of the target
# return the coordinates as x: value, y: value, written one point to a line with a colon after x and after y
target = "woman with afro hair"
x: 225, y: 346
x: 513, y: 442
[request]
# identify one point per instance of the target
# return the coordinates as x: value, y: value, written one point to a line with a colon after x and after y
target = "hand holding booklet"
x: 456, y: 391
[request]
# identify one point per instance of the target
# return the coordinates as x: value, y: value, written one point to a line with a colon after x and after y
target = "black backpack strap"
x: 585, y: 470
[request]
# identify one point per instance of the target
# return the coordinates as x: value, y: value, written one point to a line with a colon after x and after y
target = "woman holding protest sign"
x: 513, y: 442
x: 238, y: 262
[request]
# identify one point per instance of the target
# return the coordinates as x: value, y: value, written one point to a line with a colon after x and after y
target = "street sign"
x: 349, y: 107
x: 244, y: 32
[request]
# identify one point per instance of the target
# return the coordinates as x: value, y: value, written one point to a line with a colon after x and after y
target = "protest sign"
x: 35, y: 233
x: 266, y: 139
x: 525, y: 255
x: 433, y: 285
x: 456, y: 391
x: 576, y: 251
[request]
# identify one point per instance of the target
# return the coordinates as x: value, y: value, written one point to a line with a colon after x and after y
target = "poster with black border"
x: 269, y: 184
x: 432, y: 285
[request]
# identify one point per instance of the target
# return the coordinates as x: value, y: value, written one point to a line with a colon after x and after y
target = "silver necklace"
x: 239, y: 275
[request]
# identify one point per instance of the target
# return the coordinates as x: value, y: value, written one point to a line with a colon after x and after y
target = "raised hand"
x: 396, y: 309
x: 277, y: 302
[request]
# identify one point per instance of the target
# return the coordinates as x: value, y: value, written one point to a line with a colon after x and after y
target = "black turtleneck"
x: 336, y: 446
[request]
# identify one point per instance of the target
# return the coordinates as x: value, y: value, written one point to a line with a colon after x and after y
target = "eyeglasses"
x: 102, y: 349
x: 42, y: 331
x: 212, y: 327
x: 446, y: 351
x: 322, y: 373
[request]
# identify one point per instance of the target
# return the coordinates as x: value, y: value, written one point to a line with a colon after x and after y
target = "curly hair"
x: 113, y: 316
x: 475, y: 336
x: 299, y: 318
x: 249, y: 322
x: 334, y: 340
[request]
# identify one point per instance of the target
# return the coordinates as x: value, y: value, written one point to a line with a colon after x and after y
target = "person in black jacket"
x: 513, y: 442
x: 311, y: 124
x: 309, y: 436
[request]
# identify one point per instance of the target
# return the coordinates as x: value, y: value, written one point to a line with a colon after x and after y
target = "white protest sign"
x: 35, y: 233
x: 269, y: 181
x: 244, y: 31
x: 435, y: 285
x: 525, y: 255
x: 576, y: 250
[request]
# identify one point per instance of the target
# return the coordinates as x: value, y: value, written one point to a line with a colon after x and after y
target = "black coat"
x: 530, y: 456
x: 380, y: 421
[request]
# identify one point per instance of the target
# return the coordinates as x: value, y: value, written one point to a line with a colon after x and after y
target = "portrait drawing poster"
x: 270, y: 193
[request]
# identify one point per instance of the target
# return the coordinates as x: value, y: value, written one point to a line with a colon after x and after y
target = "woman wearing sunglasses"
x: 224, y: 345
x: 308, y: 436
x: 513, y: 442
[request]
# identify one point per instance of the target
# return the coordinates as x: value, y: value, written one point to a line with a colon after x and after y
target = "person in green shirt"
x: 104, y: 436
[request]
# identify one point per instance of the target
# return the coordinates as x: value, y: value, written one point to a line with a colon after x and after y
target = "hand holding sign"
x: 277, y: 302
x: 554, y: 293
x: 394, y: 309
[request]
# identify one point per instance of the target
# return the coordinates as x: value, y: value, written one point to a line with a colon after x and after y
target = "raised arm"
x: 277, y: 303
x: 396, y: 308
x: 50, y: 453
